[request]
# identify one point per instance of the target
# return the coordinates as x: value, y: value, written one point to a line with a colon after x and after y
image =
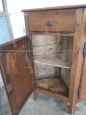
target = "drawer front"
x: 51, y: 20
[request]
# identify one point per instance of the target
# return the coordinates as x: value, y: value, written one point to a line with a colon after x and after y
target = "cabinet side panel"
x: 83, y: 76
x: 77, y: 59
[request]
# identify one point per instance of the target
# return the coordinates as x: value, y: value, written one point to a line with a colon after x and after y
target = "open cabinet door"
x: 16, y: 62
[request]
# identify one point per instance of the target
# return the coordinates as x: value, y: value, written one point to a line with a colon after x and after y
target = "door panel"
x: 17, y: 72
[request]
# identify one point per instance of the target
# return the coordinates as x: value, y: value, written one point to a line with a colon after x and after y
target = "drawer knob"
x: 49, y: 23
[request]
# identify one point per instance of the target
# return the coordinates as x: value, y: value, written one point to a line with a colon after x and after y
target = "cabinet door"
x: 16, y: 61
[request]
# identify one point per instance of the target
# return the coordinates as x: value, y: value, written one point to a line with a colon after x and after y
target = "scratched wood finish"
x: 36, y: 20
x: 54, y: 84
x: 77, y: 60
x: 62, y: 20
x: 17, y: 75
x: 83, y: 78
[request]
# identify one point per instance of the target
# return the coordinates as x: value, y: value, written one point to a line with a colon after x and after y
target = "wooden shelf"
x: 53, y: 84
x: 57, y: 62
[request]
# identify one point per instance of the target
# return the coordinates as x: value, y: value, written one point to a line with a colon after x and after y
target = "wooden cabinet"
x: 50, y: 59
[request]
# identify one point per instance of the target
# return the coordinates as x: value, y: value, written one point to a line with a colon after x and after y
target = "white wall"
x: 1, y: 8
x: 16, y: 5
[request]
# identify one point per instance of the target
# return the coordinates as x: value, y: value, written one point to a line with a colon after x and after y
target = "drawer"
x: 51, y: 20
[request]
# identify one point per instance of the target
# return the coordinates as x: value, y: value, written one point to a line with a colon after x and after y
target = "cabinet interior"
x: 53, y: 58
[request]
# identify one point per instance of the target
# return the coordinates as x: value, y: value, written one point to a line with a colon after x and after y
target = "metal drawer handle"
x: 49, y: 23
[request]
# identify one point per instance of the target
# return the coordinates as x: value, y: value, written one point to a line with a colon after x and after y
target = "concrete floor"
x: 44, y: 105
x: 4, y: 105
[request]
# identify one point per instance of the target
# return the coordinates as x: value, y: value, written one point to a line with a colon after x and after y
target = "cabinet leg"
x: 72, y: 108
x: 34, y: 95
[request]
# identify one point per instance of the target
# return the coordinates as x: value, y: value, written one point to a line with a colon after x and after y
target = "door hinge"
x: 84, y: 50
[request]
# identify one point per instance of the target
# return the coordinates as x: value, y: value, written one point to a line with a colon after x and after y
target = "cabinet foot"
x: 72, y: 108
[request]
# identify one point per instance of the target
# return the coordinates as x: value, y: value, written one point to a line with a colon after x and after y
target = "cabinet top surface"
x: 56, y: 8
